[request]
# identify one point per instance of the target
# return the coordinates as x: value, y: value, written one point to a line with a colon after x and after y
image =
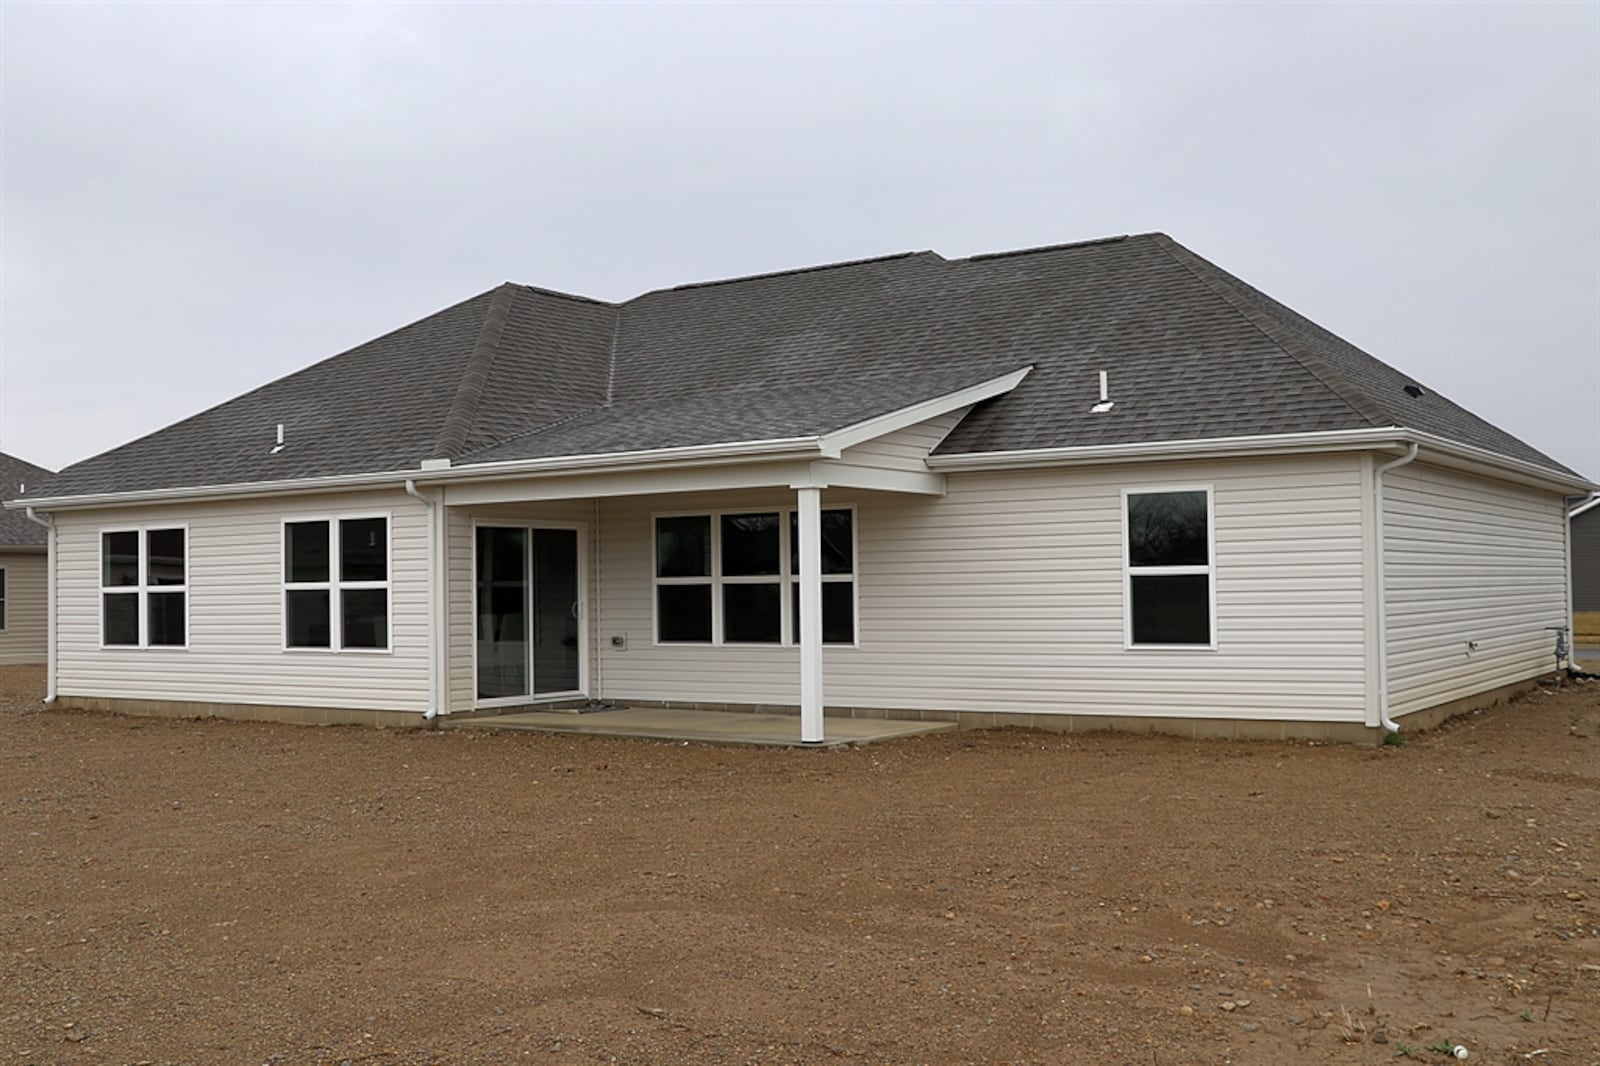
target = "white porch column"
x: 810, y: 510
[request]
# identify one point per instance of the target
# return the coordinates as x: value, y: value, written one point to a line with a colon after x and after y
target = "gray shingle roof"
x: 16, y: 529
x: 518, y: 372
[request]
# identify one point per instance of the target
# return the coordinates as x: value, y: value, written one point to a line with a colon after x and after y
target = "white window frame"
x: 143, y: 589
x: 335, y: 586
x: 1209, y: 569
x: 785, y: 578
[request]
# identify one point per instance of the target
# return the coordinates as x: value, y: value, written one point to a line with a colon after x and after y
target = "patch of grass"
x: 1586, y: 625
x: 1394, y: 740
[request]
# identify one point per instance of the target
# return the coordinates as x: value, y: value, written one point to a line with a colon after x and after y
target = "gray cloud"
x: 197, y: 199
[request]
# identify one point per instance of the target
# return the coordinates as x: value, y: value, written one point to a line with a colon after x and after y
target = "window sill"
x: 337, y: 651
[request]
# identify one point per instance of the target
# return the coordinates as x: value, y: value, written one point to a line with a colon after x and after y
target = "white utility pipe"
x: 50, y: 612
x: 433, y: 601
x: 1383, y: 594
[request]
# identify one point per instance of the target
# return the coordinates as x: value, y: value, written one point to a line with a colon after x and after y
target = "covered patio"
x: 703, y: 727
x: 721, y: 574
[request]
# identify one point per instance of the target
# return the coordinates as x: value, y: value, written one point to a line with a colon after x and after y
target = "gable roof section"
x: 523, y: 373
x: 17, y: 529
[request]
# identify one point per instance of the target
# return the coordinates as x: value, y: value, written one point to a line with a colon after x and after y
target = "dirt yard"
x: 215, y: 892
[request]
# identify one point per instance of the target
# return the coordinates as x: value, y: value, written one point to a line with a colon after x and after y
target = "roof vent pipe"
x: 1106, y: 402
x: 278, y: 447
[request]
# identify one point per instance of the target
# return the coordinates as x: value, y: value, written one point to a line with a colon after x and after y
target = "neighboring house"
x: 884, y: 487
x: 23, y: 566
x: 1586, y: 557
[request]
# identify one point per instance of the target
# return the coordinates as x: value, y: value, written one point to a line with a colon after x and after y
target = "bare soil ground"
x: 216, y: 892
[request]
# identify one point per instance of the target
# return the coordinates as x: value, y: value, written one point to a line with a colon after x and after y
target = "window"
x: 1168, y: 586
x: 336, y: 583
x: 724, y: 578
x: 144, y: 580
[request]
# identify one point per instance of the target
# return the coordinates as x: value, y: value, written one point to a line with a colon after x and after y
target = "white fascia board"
x: 1442, y: 452
x: 880, y: 425
x: 658, y: 459
x: 1584, y: 508
x: 1148, y: 451
x: 682, y: 479
x: 1436, y: 450
x: 828, y: 474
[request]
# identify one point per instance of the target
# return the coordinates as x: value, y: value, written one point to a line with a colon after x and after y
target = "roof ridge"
x: 558, y: 294
x: 787, y: 273
x: 981, y: 256
x: 475, y: 375
x: 1341, y: 386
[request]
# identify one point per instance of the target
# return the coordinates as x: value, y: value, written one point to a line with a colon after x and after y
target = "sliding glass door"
x: 556, y: 628
x: 529, y: 612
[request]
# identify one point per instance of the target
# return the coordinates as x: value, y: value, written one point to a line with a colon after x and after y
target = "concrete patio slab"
x: 705, y: 727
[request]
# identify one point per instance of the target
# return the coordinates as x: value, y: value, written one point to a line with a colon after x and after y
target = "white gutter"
x: 1383, y: 594
x: 1453, y: 454
x: 661, y: 458
x: 433, y: 600
x: 50, y: 612
x: 1143, y: 451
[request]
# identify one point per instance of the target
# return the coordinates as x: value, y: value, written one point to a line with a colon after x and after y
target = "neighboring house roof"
x: 1584, y: 509
x: 16, y: 528
x: 525, y: 373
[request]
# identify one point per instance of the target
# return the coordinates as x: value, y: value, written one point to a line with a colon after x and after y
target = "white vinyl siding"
x: 1467, y: 559
x: 905, y: 449
x: 235, y: 650
x: 23, y: 640
x: 1007, y: 595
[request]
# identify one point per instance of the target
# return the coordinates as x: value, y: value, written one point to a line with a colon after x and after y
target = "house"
x: 1585, y: 520
x: 23, y: 616
x: 1088, y: 485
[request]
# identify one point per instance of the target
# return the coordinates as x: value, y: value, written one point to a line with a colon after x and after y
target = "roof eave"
x: 659, y: 458
x: 1438, y: 450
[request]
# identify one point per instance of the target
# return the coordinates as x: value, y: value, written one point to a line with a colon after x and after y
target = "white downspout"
x: 433, y: 601
x: 1383, y: 594
x: 50, y: 613
x: 1571, y: 607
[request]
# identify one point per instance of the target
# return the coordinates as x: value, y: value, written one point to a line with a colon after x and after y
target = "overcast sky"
x: 197, y: 198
